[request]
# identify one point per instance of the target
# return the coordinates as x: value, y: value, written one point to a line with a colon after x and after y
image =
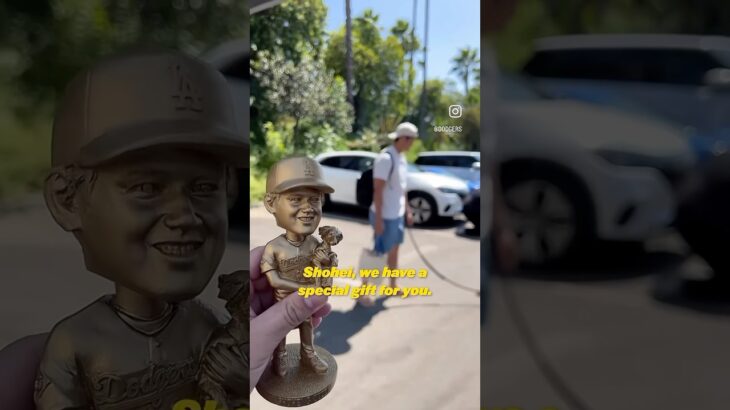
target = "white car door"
x: 342, y: 172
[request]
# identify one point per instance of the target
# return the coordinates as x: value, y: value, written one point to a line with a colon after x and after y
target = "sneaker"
x: 314, y: 362
x: 280, y: 364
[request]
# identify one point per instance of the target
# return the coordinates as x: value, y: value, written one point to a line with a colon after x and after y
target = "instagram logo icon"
x: 455, y: 111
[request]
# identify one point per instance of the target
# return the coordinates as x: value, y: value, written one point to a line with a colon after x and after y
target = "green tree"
x: 307, y: 94
x: 55, y: 39
x: 378, y: 68
x: 407, y: 38
x: 294, y: 28
x: 410, y: 44
x: 535, y: 18
x: 464, y: 64
x: 348, y: 52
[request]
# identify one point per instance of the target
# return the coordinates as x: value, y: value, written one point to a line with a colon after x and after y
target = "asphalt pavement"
x: 631, y: 329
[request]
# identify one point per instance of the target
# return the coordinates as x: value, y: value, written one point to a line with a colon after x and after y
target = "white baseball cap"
x: 404, y: 129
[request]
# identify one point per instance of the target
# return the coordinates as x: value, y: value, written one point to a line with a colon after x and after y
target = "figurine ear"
x: 269, y: 202
x: 62, y: 200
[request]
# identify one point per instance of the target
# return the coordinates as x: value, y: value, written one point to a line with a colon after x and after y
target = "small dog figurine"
x: 323, y: 257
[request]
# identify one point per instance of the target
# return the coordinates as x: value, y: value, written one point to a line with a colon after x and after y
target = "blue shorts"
x: 392, y: 236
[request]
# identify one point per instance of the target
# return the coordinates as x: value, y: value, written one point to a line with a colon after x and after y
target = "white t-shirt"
x: 394, y: 202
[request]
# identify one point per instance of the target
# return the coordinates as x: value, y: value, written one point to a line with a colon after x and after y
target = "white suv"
x: 684, y: 79
x: 462, y: 164
x: 429, y: 195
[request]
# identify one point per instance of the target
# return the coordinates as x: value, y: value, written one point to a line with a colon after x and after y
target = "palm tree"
x: 464, y: 64
x: 422, y: 110
x: 348, y: 52
x: 407, y: 38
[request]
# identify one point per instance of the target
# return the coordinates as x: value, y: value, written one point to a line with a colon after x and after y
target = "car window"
x: 672, y: 66
x: 683, y: 66
x: 464, y: 161
x: 351, y: 162
x: 331, y: 162
x: 604, y: 64
x: 432, y: 160
x: 364, y: 163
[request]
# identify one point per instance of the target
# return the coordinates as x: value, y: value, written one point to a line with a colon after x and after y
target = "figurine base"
x: 300, y: 386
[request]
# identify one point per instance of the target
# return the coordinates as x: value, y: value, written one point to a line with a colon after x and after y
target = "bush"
x: 25, y: 148
x: 257, y: 190
x: 368, y: 140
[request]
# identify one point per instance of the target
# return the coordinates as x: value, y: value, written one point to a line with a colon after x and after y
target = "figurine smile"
x: 306, y: 219
x: 178, y: 249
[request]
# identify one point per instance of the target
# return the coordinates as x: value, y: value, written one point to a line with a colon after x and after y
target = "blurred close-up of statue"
x: 143, y: 149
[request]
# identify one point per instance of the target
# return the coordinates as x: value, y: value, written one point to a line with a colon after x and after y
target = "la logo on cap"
x: 186, y: 96
x: 308, y: 169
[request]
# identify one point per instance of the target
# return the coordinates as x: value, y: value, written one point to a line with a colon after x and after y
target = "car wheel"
x: 550, y: 211
x: 423, y: 208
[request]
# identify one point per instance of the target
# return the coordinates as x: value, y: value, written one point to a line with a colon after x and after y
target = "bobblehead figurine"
x: 299, y: 374
x: 142, y: 151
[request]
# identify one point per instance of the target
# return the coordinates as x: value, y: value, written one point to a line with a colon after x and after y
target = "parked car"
x: 429, y: 195
x: 461, y: 164
x: 572, y: 172
x: 684, y: 79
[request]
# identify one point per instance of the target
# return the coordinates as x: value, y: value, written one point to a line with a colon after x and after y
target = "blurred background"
x: 612, y: 131
x: 43, y: 44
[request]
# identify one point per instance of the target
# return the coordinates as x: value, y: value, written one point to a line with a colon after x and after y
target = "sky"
x: 453, y: 24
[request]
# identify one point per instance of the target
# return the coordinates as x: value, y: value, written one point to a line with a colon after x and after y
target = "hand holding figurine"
x: 269, y: 324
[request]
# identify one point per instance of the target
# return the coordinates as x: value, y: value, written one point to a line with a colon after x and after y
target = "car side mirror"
x: 717, y: 78
x: 476, y: 165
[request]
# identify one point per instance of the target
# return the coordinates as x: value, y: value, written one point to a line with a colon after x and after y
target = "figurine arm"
x: 322, y: 256
x: 277, y: 282
x: 59, y: 381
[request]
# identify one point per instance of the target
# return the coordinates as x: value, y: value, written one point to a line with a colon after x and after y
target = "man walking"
x: 389, y: 211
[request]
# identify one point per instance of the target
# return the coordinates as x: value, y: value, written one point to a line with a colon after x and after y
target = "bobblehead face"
x: 154, y: 221
x: 297, y: 210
